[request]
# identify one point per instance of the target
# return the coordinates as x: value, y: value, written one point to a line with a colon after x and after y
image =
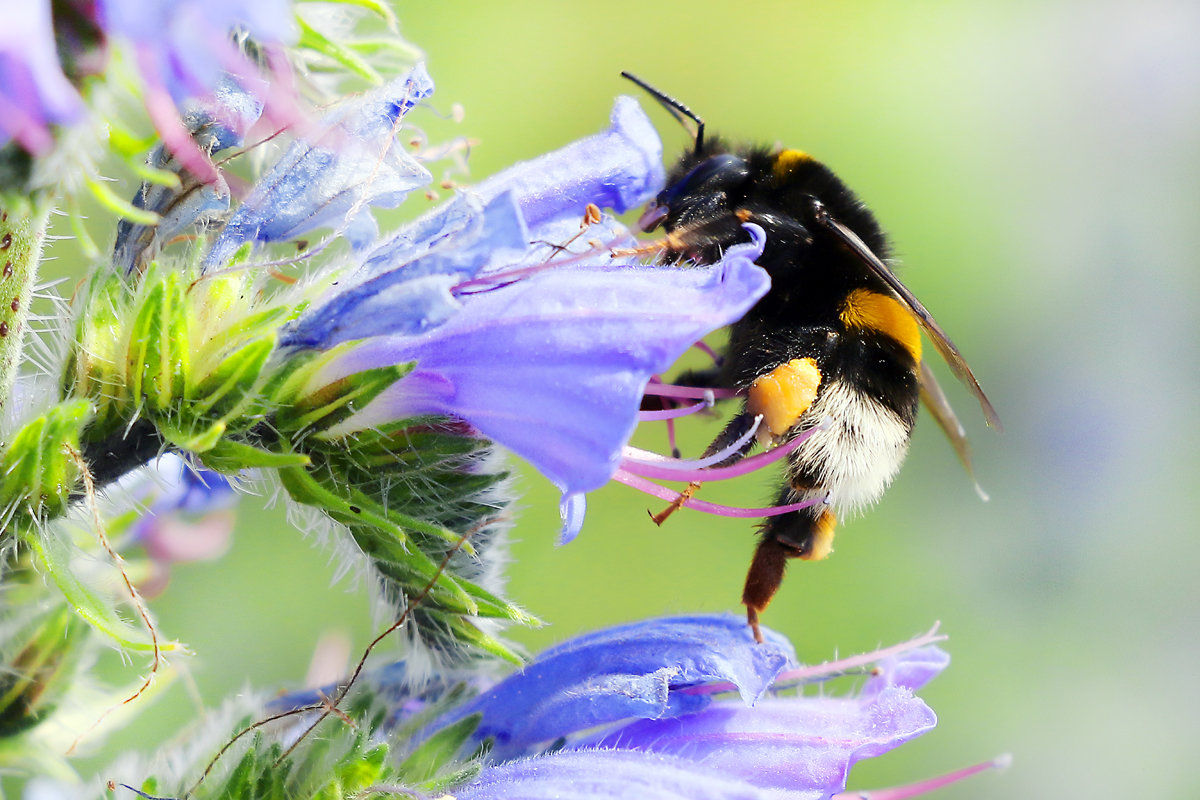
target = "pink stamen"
x: 663, y: 493
x: 503, y: 277
x: 166, y: 120
x: 921, y: 787
x: 831, y: 668
x: 704, y: 348
x: 839, y: 666
x: 674, y: 413
x: 635, y: 454
x: 688, y: 392
x: 679, y: 470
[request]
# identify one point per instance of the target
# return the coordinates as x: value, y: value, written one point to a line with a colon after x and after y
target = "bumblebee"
x: 835, y: 345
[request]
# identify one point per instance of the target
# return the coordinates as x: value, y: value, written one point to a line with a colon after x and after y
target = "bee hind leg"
x: 805, y: 534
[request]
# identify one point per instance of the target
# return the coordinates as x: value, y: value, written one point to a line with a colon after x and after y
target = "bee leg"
x: 676, y: 504
x: 737, y: 427
x: 764, y: 577
x: 806, y: 534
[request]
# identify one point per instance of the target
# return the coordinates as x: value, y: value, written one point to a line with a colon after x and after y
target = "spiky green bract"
x: 23, y: 221
x: 46, y: 688
x: 37, y: 658
x: 343, y: 757
x: 41, y: 650
x: 40, y: 467
x: 421, y: 497
x: 183, y: 355
x: 170, y: 359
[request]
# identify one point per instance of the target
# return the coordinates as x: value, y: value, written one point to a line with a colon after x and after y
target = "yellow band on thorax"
x: 863, y: 308
x: 787, y: 161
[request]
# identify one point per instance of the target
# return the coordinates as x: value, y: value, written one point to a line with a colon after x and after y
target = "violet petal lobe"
x: 34, y: 92
x: 572, y: 509
x: 618, y: 168
x: 415, y: 295
x: 631, y: 671
x: 186, y: 42
x: 606, y: 775
x: 329, y: 177
x: 803, y: 745
x: 911, y: 669
x: 553, y: 365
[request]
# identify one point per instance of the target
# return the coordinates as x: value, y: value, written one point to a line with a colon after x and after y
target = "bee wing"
x: 941, y: 341
x: 935, y: 400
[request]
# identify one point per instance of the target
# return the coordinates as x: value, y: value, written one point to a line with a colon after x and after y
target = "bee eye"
x: 711, y: 174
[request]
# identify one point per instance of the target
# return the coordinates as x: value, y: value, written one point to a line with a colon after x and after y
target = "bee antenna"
x: 675, y: 108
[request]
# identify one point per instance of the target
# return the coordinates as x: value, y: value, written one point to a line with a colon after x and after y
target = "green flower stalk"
x: 22, y: 231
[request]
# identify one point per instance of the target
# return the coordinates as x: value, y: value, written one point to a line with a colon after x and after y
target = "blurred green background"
x: 1036, y: 165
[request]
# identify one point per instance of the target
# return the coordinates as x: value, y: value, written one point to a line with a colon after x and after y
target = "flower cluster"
x: 253, y: 331
x: 679, y: 707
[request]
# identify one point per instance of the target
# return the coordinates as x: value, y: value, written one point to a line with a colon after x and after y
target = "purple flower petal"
x: 632, y: 671
x: 572, y: 509
x: 803, y: 745
x: 350, y: 163
x: 34, y: 93
x: 183, y: 489
x: 553, y: 366
x: 619, y: 169
x: 415, y: 295
x: 215, y: 125
x: 184, y: 44
x: 606, y: 775
x: 911, y: 670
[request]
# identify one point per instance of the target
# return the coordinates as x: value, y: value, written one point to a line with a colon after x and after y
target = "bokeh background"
x: 1036, y: 165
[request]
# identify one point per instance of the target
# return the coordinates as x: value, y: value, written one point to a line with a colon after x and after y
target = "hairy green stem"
x: 23, y: 223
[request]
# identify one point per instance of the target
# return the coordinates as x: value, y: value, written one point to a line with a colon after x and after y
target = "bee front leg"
x: 738, y: 427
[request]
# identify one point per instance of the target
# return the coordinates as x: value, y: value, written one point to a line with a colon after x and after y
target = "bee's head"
x: 699, y: 187
x: 704, y: 185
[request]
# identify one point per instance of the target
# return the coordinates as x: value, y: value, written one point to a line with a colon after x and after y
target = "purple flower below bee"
x: 690, y: 707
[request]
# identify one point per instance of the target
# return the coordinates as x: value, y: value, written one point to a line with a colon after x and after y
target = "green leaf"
x: 362, y: 771
x: 158, y: 357
x: 412, y: 568
x: 30, y: 683
x: 119, y: 205
x: 194, y: 441
x: 95, y: 364
x: 233, y: 385
x: 336, y: 401
x: 338, y: 52
x: 38, y: 468
x: 431, y: 757
x: 375, y: 6
x: 457, y: 629
x: 230, y: 456
x: 55, y: 557
x: 440, y: 784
